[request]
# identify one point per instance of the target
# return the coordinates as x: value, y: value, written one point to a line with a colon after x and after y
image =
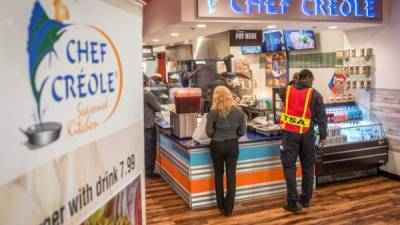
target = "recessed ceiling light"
x: 201, y: 25
x: 271, y: 27
x: 156, y: 40
x: 174, y: 34
x: 333, y: 27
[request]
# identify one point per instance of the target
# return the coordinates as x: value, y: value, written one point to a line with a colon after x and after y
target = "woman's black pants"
x: 225, y: 152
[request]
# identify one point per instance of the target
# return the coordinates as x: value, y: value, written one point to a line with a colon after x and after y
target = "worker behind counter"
x: 228, y: 80
x: 303, y: 107
x: 225, y: 79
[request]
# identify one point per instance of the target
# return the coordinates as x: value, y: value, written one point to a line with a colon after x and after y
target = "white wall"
x: 386, y: 45
x: 385, y: 42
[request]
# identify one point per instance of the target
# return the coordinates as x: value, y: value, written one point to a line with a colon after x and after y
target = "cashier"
x: 225, y: 79
x: 151, y: 106
x: 303, y: 108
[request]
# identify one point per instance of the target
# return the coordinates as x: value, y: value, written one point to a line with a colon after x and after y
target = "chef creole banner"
x: 74, y: 66
x: 307, y: 10
x: 71, y: 113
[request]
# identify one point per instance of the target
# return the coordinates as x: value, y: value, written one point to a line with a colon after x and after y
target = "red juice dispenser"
x: 187, y: 107
x: 187, y: 100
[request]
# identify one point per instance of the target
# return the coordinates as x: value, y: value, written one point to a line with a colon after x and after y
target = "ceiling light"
x: 156, y: 40
x: 333, y: 27
x: 201, y: 25
x: 271, y: 27
x: 174, y: 34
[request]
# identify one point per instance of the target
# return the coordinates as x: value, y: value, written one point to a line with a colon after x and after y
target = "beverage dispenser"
x: 187, y: 107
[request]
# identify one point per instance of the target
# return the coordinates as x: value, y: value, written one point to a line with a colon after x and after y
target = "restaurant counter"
x: 189, y: 171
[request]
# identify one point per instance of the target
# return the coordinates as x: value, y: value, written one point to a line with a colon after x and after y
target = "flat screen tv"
x: 247, y: 50
x: 299, y: 39
x: 273, y: 41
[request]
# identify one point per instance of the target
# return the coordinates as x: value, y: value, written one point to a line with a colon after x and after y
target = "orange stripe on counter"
x: 173, y: 172
x: 207, y: 184
x: 158, y: 157
x: 243, y: 179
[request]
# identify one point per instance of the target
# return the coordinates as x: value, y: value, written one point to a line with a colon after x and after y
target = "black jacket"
x: 151, y: 106
x: 317, y: 107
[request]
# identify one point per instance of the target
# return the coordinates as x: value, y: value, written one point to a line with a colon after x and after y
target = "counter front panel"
x: 189, y: 170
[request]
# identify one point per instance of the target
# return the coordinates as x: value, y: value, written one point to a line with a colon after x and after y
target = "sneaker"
x: 292, y: 207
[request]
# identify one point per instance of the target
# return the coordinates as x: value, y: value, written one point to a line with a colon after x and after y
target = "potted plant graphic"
x: 43, y: 34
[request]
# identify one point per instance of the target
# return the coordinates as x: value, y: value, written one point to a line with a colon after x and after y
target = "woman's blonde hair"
x: 222, y: 101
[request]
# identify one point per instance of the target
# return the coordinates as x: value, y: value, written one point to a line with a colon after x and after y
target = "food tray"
x: 268, y: 132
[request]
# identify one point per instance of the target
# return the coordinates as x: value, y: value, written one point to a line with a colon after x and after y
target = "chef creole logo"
x: 75, y: 75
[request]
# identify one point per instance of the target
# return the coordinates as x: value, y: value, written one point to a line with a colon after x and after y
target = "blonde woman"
x: 225, y: 124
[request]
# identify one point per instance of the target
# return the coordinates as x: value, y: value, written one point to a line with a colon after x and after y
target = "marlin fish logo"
x: 212, y: 6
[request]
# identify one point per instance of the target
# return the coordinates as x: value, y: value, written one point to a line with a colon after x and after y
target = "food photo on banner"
x: 123, y: 209
x: 69, y: 103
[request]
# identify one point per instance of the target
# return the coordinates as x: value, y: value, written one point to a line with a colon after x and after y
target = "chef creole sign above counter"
x: 308, y: 10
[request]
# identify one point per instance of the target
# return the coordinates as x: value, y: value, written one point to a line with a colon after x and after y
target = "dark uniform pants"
x: 150, y: 149
x: 294, y: 146
x: 225, y: 152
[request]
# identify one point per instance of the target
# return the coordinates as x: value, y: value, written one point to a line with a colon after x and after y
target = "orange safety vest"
x: 296, y: 114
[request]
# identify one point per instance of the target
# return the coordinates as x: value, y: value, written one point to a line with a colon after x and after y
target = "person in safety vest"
x: 303, y: 108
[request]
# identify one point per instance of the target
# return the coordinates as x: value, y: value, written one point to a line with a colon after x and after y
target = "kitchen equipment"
x: 183, y: 125
x: 187, y: 100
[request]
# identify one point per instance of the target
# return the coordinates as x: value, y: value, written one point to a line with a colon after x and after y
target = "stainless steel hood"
x: 215, y: 46
x: 179, y: 53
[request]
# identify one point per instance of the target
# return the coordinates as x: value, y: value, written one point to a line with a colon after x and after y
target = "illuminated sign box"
x: 315, y: 10
x: 245, y: 37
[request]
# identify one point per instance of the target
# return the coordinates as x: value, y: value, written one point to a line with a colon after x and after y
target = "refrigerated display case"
x: 355, y: 146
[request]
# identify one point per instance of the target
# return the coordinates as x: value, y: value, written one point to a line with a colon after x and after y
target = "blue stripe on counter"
x: 246, y: 153
x: 167, y: 144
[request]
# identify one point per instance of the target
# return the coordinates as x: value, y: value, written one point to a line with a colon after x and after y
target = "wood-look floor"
x: 367, y: 201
